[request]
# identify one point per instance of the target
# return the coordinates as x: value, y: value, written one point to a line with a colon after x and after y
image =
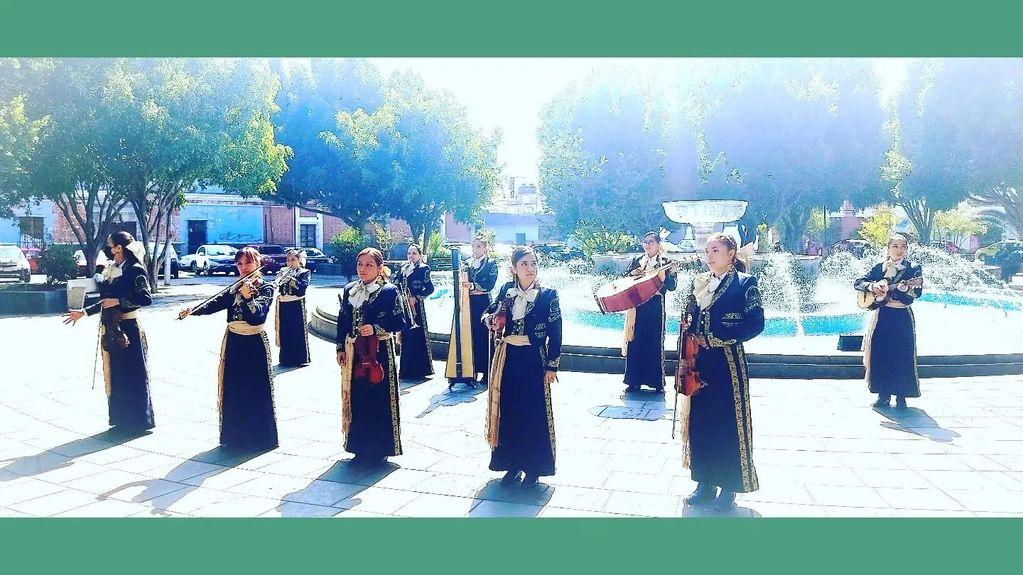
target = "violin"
x: 367, y: 366
x: 498, y: 321
x: 688, y: 347
x: 114, y: 338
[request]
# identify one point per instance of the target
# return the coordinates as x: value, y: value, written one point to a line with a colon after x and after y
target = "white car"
x: 209, y: 259
x: 14, y: 264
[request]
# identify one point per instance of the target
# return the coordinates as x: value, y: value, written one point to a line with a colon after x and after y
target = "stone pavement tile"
x: 104, y: 508
x: 644, y: 505
x: 554, y: 512
x: 145, y: 462
x: 4, y: 512
x: 846, y: 496
x: 802, y: 458
x: 461, y: 465
x: 295, y: 509
x: 80, y: 446
x: 323, y: 493
x: 786, y: 493
x: 946, y: 480
x: 318, y: 449
x: 979, y: 462
x: 54, y: 503
x: 1011, y: 480
x: 417, y: 457
x: 109, y: 480
x: 1012, y: 462
x: 502, y: 509
x: 740, y: 511
x: 932, y: 462
x: 537, y: 495
x: 263, y: 460
x: 684, y: 485
x: 635, y: 448
x: 37, y: 463
x: 947, y: 513
x: 850, y: 445
x: 143, y: 490
x: 836, y: 476
x: 901, y: 478
x: 74, y: 470
x: 997, y: 514
x: 246, y: 506
x: 112, y: 455
x: 180, y: 470
x: 356, y: 514
x: 271, y: 486
x: 297, y: 466
x: 377, y: 500
x: 634, y: 464
x: 855, y: 512
x: 926, y: 499
x: 430, y: 505
x: 997, y: 500
x: 222, y: 478
x: 405, y: 479
x: 624, y: 481
x: 859, y: 461
x: 577, y: 477
x: 451, y: 484
x: 788, y: 442
x: 579, y: 498
x: 188, y: 500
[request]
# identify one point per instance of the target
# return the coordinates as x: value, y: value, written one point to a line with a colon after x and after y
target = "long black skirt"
x: 127, y: 375
x: 247, y: 418
x: 720, y: 427
x: 481, y: 352
x: 891, y: 358
x: 375, y: 429
x: 416, y: 358
x: 644, y: 359
x: 526, y: 428
x: 294, y: 333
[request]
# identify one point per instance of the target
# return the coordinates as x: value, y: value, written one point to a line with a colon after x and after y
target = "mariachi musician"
x: 124, y: 290
x: 371, y: 313
x: 248, y: 421
x: 889, y: 350
x: 482, y: 277
x: 292, y: 331
x: 414, y: 280
x: 643, y: 340
x: 725, y: 310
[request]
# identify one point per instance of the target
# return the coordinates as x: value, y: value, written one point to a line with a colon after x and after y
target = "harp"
x: 460, y: 367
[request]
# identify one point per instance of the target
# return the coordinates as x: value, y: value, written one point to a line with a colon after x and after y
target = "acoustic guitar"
x: 868, y: 301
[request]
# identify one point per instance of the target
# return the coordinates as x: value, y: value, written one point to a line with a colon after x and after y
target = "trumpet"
x: 406, y: 300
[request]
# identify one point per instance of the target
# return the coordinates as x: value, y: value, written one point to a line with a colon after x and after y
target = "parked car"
x: 992, y: 255
x: 14, y: 264
x: 313, y: 258
x: 173, y: 255
x: 101, y: 262
x: 32, y: 255
x: 209, y: 259
x: 273, y: 258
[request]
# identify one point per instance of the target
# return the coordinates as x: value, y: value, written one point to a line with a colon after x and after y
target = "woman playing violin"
x: 123, y: 290
x: 725, y: 307
x: 370, y: 311
x: 889, y: 350
x: 643, y: 340
x: 245, y: 387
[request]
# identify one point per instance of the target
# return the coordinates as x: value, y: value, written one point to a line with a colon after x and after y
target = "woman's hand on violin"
x: 72, y: 316
x: 877, y: 289
x: 366, y: 330
x: 341, y: 358
x: 550, y: 377
x: 702, y: 341
x: 109, y: 302
x: 185, y: 313
x: 246, y: 290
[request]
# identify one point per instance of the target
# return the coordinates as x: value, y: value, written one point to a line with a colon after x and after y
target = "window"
x: 307, y: 235
x: 31, y: 228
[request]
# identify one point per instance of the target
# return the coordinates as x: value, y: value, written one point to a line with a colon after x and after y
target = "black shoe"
x: 705, y: 493
x: 512, y: 476
x: 900, y: 402
x: 530, y: 480
x: 725, y: 501
x: 629, y: 388
x: 882, y: 401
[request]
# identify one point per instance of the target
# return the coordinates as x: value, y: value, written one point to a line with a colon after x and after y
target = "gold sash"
x: 244, y: 328
x: 494, y: 387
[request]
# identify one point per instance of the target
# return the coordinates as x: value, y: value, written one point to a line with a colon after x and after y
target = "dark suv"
x: 274, y: 257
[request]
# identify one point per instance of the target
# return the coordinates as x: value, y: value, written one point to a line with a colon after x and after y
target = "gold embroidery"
x: 739, y: 422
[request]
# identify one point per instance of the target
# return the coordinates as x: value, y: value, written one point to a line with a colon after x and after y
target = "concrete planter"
x: 33, y: 300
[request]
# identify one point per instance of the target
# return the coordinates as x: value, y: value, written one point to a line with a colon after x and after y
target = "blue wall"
x: 225, y: 223
x: 10, y: 230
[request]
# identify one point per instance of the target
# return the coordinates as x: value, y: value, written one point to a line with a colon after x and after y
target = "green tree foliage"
x: 959, y: 224
x: 878, y: 228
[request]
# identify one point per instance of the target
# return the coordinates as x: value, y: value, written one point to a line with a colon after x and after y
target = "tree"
x: 794, y: 135
x: 877, y: 229
x: 958, y: 224
x: 188, y: 123
x: 57, y: 147
x: 603, y: 154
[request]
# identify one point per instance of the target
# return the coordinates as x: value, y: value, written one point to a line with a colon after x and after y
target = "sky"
x: 509, y: 93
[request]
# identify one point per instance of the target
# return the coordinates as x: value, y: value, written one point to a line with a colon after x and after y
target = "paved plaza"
x: 819, y: 449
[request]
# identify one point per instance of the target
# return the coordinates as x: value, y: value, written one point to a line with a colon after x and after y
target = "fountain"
x: 704, y: 216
